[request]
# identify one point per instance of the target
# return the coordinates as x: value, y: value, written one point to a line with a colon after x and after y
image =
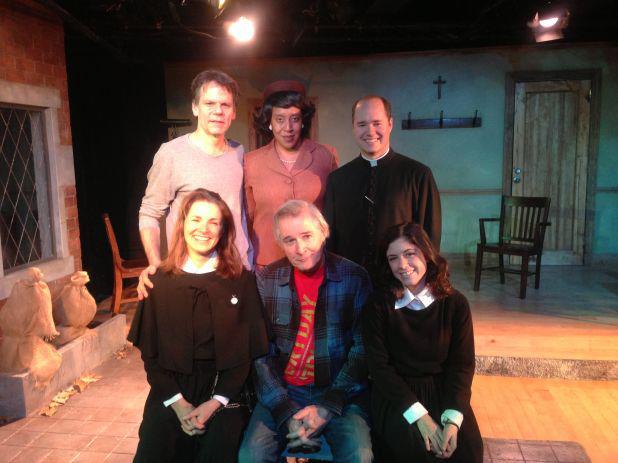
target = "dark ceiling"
x: 181, y: 29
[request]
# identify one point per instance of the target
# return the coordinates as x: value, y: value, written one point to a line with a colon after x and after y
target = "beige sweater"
x: 179, y: 168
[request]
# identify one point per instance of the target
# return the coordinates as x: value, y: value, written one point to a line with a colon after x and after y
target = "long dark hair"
x: 229, y: 265
x: 287, y: 99
x: 437, y: 275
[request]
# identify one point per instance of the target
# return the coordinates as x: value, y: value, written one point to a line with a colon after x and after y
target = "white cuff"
x: 222, y: 399
x: 172, y: 400
x: 415, y: 412
x: 453, y: 416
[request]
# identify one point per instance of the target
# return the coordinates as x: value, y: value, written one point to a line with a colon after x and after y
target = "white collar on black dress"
x: 209, y: 266
x: 374, y: 161
x: 412, y: 301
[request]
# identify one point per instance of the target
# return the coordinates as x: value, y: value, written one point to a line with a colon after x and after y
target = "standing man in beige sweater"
x: 204, y: 158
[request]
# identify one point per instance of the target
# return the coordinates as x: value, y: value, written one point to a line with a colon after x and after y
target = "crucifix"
x: 439, y: 83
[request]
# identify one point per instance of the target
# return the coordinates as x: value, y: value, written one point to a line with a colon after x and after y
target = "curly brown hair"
x: 287, y: 99
x: 437, y: 275
x: 230, y: 264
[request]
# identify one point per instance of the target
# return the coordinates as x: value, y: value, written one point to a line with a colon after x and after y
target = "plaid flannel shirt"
x: 339, y: 356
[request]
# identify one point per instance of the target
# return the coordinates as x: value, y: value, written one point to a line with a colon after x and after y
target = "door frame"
x: 594, y: 76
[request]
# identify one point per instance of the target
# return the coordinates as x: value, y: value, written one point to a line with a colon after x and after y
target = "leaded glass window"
x: 25, y: 221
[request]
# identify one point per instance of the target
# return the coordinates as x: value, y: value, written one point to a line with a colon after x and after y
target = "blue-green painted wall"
x: 467, y: 163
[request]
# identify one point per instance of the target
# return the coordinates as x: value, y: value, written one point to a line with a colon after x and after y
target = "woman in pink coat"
x: 290, y: 166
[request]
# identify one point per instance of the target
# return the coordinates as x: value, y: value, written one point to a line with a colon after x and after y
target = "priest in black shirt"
x: 378, y: 189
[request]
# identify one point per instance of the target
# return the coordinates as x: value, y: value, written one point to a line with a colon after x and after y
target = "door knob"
x: 516, y: 179
x: 517, y: 171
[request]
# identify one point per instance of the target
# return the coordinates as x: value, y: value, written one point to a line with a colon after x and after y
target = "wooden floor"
x: 542, y: 336
x: 550, y: 409
x: 574, y: 315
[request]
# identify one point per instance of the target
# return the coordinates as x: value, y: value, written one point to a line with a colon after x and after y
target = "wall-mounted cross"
x: 439, y: 83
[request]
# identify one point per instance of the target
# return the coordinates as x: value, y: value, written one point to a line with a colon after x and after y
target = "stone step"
x: 18, y: 395
x: 531, y: 367
x: 541, y: 346
x: 520, y: 451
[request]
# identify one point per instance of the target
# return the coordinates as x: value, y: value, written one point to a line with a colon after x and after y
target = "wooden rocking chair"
x: 523, y: 221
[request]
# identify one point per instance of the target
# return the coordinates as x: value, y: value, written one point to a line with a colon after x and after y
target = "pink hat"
x: 284, y: 86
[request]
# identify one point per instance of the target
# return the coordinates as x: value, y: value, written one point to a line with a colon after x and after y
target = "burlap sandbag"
x: 25, y: 319
x: 45, y: 363
x: 75, y: 306
x: 16, y: 353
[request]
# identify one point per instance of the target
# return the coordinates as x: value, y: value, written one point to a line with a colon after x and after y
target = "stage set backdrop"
x: 546, y: 110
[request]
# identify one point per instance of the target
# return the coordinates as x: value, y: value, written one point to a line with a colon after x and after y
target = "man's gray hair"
x: 294, y: 208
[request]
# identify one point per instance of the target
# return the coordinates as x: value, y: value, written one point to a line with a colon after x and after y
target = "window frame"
x: 60, y: 173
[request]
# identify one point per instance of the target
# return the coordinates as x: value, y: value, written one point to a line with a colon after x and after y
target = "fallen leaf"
x: 62, y: 397
x: 91, y: 378
x: 80, y: 385
x: 49, y: 411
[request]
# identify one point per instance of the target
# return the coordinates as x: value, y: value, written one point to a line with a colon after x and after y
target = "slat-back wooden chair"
x: 123, y: 269
x: 523, y: 221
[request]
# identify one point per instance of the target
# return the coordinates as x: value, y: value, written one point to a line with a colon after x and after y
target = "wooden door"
x: 550, y: 158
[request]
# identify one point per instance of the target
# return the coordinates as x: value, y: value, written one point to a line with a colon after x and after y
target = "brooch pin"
x: 234, y: 299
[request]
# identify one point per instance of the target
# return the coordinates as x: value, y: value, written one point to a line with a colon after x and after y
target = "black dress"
x: 425, y: 356
x: 198, y: 334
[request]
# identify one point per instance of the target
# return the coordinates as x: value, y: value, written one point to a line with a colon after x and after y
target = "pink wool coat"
x: 268, y: 184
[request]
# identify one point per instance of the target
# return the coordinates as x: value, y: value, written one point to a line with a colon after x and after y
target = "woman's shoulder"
x: 256, y: 155
x: 246, y: 276
x: 322, y: 149
x: 161, y: 277
x: 456, y: 297
x: 457, y: 303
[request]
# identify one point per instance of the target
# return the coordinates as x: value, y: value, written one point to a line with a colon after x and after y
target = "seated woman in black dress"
x: 417, y: 332
x: 198, y: 332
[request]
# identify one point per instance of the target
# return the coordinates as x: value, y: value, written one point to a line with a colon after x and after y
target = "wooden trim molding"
x: 472, y: 191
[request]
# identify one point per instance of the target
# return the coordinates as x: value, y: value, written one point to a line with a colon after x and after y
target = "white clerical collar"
x: 374, y: 161
x: 209, y: 266
x: 420, y: 301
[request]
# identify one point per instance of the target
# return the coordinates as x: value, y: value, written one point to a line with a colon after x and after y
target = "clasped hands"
x: 305, y: 426
x: 193, y: 419
x: 441, y: 441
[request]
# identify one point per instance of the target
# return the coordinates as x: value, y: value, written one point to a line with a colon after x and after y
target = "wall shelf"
x: 442, y: 122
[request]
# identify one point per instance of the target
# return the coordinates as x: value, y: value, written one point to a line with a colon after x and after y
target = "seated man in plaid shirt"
x: 314, y: 379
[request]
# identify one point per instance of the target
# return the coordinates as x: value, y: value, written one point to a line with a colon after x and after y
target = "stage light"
x: 549, y: 22
x: 218, y: 4
x: 242, y: 29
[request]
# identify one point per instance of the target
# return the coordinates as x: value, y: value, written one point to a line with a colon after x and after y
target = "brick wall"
x: 32, y: 52
x: 70, y: 204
